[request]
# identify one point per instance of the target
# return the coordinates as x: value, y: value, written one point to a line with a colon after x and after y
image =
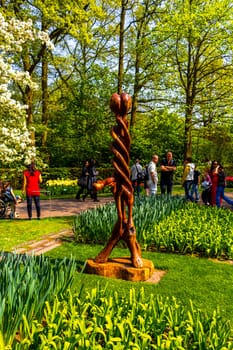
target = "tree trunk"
x: 44, y: 84
x: 188, y: 129
x: 121, y: 47
x: 136, y: 88
x: 28, y: 99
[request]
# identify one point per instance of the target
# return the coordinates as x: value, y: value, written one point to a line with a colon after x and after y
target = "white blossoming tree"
x: 15, y: 140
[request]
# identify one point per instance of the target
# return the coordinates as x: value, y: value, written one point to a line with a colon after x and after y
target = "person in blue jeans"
x: 221, y: 188
x: 187, y: 178
x: 195, y: 185
x: 136, y: 177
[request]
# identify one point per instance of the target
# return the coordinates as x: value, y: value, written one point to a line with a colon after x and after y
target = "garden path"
x: 61, y: 207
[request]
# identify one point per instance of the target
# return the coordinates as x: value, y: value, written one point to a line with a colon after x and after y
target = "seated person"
x: 11, y: 198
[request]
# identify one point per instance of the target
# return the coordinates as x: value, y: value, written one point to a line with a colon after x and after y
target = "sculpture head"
x: 120, y: 104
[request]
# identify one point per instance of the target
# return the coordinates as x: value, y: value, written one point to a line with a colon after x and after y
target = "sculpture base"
x: 121, y: 268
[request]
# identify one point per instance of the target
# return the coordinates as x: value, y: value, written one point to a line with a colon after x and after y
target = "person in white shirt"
x: 136, y: 176
x: 188, y: 177
x: 153, y: 175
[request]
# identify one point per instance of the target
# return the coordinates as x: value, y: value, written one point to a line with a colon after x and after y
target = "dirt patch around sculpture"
x: 156, y: 277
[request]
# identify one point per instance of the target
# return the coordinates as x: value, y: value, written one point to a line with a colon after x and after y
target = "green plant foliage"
x: 165, y: 224
x: 26, y: 284
x: 196, y: 230
x: 96, y: 225
x: 149, y: 211
x: 105, y: 320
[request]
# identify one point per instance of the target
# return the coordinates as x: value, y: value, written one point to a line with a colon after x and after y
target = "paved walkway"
x: 61, y: 207
x: 47, y: 243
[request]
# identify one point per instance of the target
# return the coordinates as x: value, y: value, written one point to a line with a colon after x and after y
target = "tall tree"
x: 124, y: 4
x: 14, y: 135
x: 86, y: 79
x: 144, y: 55
x: 200, y: 48
x: 59, y: 20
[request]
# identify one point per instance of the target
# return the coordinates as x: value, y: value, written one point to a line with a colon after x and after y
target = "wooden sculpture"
x: 121, y: 184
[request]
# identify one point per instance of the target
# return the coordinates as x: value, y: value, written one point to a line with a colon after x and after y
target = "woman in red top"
x: 31, y: 186
x: 214, y: 179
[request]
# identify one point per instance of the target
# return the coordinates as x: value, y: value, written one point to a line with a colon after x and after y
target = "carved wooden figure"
x: 121, y: 184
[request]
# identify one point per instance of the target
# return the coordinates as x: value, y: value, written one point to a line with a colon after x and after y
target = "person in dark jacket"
x: 206, y: 185
x: 167, y: 167
x: 83, y: 180
x: 195, y: 185
x: 92, y: 178
x: 221, y: 187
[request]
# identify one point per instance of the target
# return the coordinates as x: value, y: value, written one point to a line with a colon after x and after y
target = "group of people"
x: 88, y: 177
x: 149, y: 175
x: 213, y: 182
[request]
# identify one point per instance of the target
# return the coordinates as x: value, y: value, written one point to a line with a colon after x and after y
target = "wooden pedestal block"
x: 121, y: 268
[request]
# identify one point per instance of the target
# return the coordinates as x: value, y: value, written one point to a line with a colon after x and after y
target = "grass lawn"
x: 207, y: 283
x: 15, y: 232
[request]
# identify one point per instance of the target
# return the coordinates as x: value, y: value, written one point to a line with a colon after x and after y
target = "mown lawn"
x: 15, y: 232
x: 209, y: 284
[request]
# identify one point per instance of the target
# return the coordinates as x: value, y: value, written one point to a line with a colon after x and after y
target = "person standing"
x: 195, y: 185
x: 167, y: 167
x: 153, y: 175
x: 83, y: 180
x: 93, y: 175
x: 91, y: 179
x: 136, y: 176
x: 187, y: 178
x: 145, y: 180
x: 214, y: 179
x: 206, y: 185
x: 221, y: 187
x: 31, y: 187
